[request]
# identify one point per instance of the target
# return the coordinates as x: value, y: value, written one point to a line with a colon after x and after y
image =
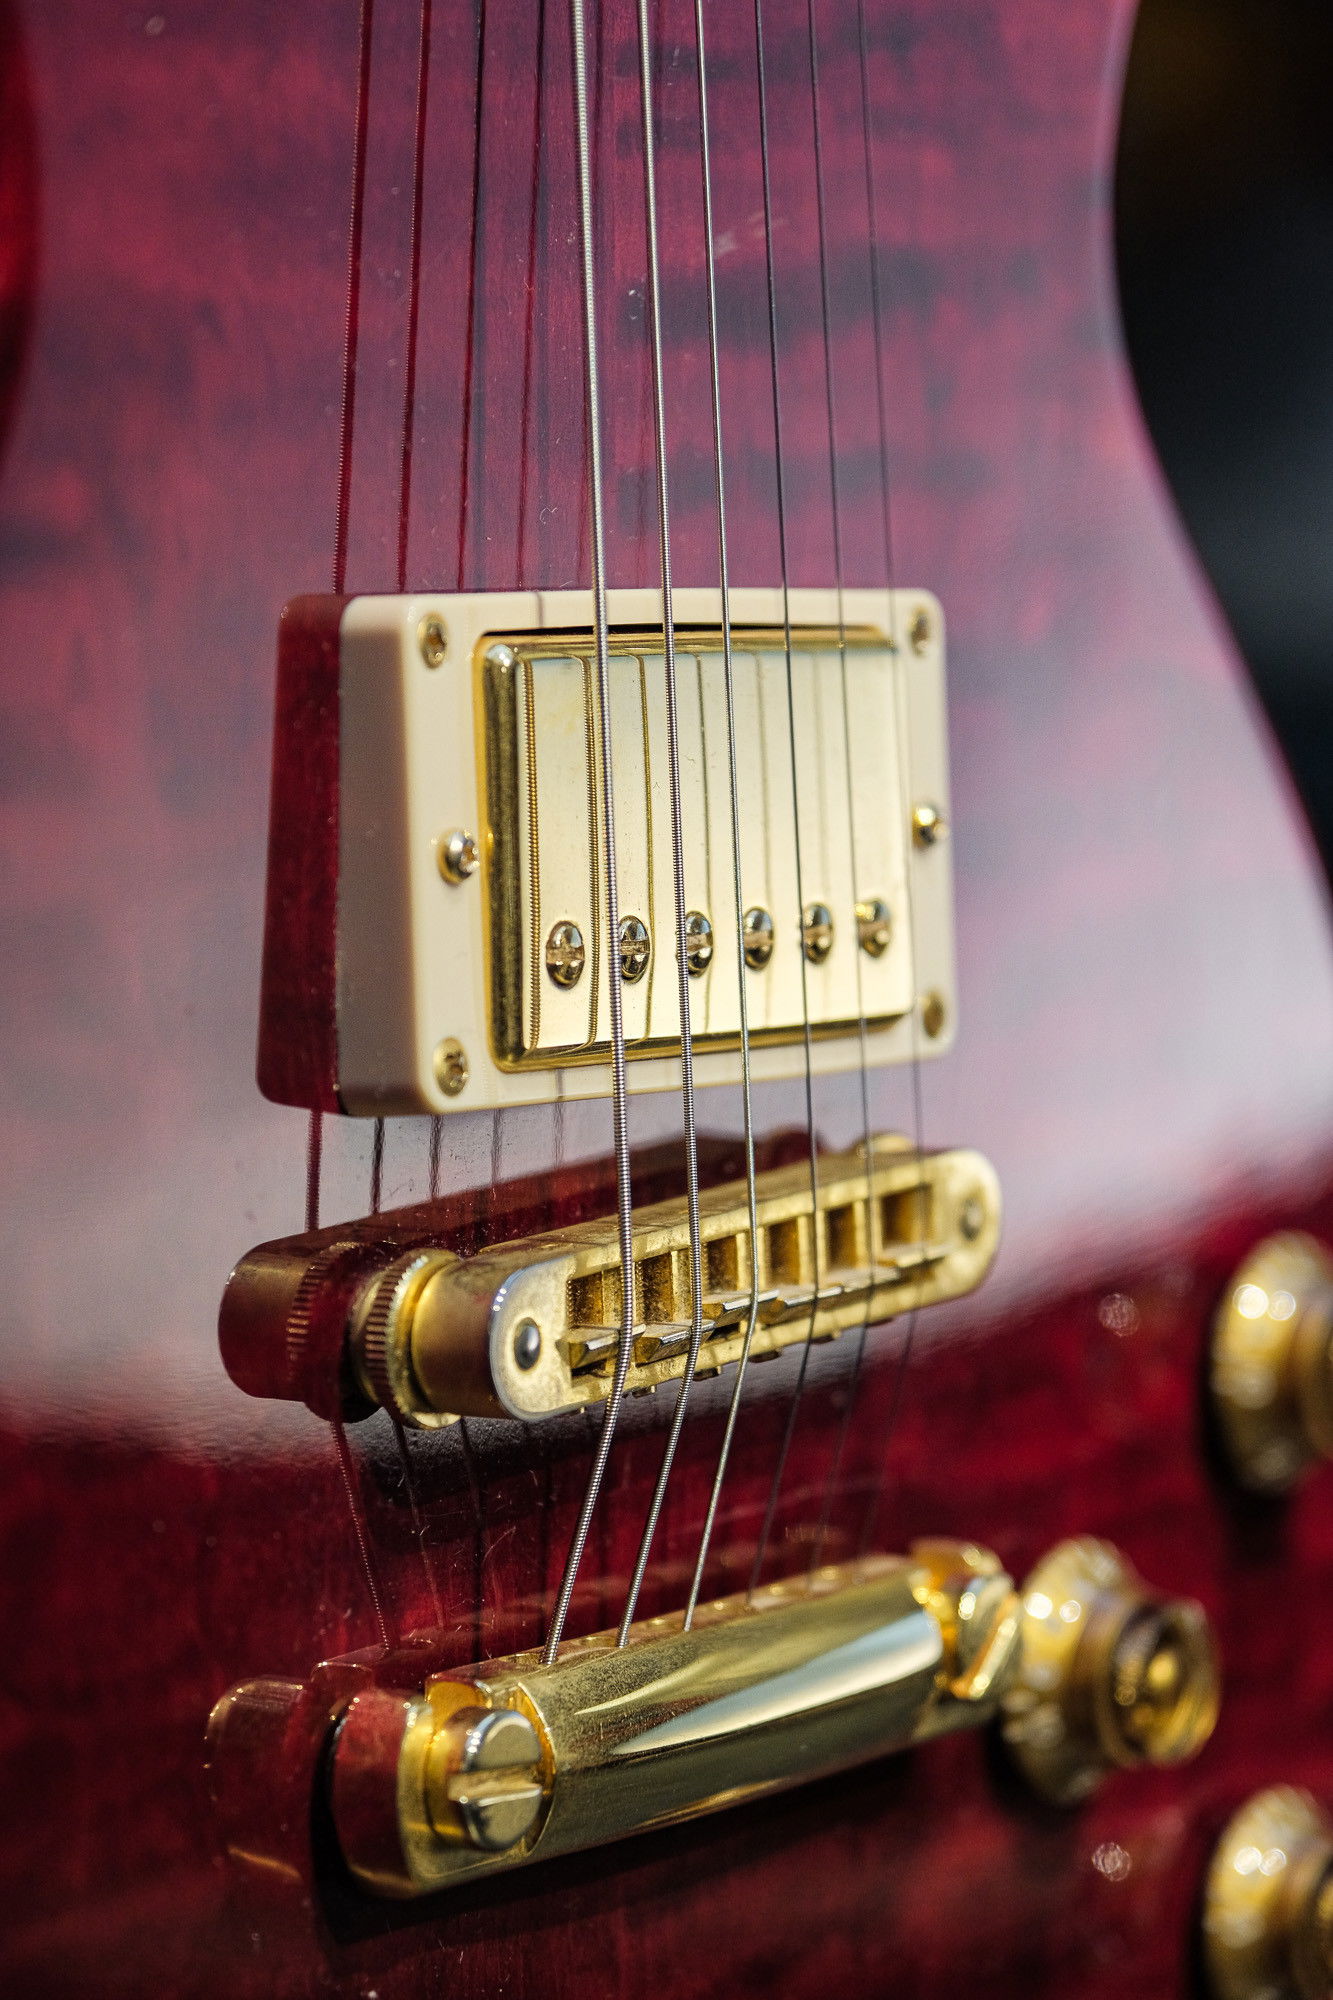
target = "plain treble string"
x: 724, y: 573
x: 770, y: 274
x: 870, y: 1518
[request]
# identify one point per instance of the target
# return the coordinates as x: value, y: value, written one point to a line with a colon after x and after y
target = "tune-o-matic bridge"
x: 437, y: 933
x: 531, y: 1328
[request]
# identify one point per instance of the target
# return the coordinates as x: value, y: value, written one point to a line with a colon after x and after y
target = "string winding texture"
x: 677, y: 832
x: 619, y: 1079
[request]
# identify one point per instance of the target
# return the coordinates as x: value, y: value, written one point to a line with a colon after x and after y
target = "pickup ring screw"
x: 929, y: 826
x: 698, y: 943
x: 919, y: 632
x: 433, y: 639
x: 457, y: 854
x: 972, y: 1217
x: 874, y: 926
x: 635, y: 949
x: 757, y: 932
x: 527, y: 1343
x: 566, y: 954
x: 934, y: 1014
x: 451, y: 1067
x: 817, y: 932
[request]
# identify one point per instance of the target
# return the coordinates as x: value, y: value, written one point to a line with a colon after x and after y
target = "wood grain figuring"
x: 1146, y: 1022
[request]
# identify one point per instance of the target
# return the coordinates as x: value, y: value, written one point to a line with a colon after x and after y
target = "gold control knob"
x: 1112, y: 1673
x: 1272, y: 1363
x: 1268, y: 1901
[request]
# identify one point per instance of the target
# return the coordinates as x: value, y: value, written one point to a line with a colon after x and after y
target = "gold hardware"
x: 698, y: 943
x: 530, y: 1328
x: 1113, y: 1673
x: 565, y: 954
x: 758, y: 931
x: 934, y: 1014
x: 802, y: 1679
x: 433, y: 639
x: 817, y: 932
x: 874, y: 927
x: 1272, y: 1362
x: 1268, y: 1901
x: 451, y: 1071
x: 539, y: 738
x: 919, y: 632
x: 458, y: 855
x: 635, y: 949
x: 929, y: 826
x: 527, y: 1343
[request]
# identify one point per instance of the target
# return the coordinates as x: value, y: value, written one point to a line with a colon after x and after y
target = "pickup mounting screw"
x: 817, y: 932
x: 929, y: 826
x: 874, y: 926
x: 457, y: 854
x: 527, y: 1343
x: 919, y: 632
x: 450, y: 1065
x: 934, y: 1014
x: 635, y: 949
x: 433, y: 639
x: 698, y: 943
x: 565, y: 954
x: 757, y: 931
x: 972, y: 1217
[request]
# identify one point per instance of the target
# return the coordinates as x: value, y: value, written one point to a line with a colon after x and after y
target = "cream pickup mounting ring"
x: 438, y: 844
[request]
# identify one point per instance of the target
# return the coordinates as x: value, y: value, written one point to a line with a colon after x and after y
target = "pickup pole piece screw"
x: 874, y: 926
x: 698, y: 943
x: 457, y: 854
x: 451, y: 1070
x: 757, y: 928
x: 929, y: 826
x: 527, y: 1343
x: 635, y: 949
x: 817, y: 932
x: 565, y: 954
x: 433, y: 639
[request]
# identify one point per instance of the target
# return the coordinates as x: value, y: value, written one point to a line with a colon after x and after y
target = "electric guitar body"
x: 295, y: 304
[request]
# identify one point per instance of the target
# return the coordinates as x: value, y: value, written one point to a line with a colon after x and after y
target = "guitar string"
x: 835, y: 499
x: 871, y: 1512
x: 619, y: 1078
x: 780, y: 470
x: 724, y: 574
x: 683, y: 978
x: 351, y: 330
x: 415, y: 231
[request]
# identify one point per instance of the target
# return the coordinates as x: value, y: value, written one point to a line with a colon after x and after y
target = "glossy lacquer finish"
x: 1146, y: 1032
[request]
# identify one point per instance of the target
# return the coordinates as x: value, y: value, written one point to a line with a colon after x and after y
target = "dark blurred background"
x: 1225, y: 218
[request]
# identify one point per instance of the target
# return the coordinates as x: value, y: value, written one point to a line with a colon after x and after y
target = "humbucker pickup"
x: 437, y: 933
x: 532, y: 1327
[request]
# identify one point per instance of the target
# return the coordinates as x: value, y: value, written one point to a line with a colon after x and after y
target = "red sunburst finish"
x: 1146, y: 1037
